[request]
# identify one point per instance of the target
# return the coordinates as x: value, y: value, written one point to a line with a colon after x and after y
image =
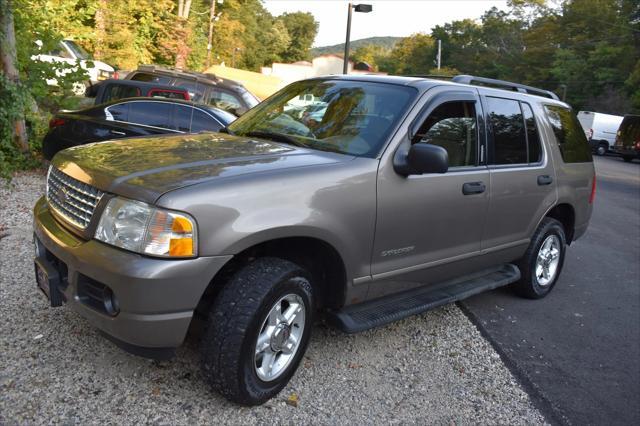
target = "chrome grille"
x: 75, y: 201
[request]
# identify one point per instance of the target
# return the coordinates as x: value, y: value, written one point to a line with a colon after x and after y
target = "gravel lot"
x: 434, y: 368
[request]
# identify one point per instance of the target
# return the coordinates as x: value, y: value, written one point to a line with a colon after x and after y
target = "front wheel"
x: 258, y: 330
x: 542, y: 263
x: 602, y: 149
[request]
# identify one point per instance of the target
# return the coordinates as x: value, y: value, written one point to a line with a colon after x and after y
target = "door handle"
x: 473, y: 188
x: 544, y: 180
x: 115, y: 132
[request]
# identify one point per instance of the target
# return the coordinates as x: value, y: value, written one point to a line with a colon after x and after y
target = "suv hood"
x: 145, y: 168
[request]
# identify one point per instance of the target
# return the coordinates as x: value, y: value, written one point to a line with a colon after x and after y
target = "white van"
x: 71, y: 53
x: 600, y: 129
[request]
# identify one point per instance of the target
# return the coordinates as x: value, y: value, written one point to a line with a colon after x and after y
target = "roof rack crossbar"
x: 501, y: 84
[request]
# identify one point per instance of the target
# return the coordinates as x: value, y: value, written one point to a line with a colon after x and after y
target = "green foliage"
x: 385, y: 43
x: 302, y: 29
x: 591, y: 47
x: 14, y: 100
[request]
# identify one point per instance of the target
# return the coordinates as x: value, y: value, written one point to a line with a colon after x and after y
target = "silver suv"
x: 376, y: 199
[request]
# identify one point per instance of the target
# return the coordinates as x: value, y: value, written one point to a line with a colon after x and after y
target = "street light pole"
x: 345, y: 65
x: 365, y: 8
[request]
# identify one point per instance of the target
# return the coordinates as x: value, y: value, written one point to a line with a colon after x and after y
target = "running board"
x: 374, y: 313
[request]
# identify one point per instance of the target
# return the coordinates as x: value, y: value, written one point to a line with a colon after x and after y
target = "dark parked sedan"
x: 130, y: 117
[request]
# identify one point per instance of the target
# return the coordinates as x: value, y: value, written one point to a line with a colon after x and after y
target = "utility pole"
x: 439, y: 53
x: 212, y: 16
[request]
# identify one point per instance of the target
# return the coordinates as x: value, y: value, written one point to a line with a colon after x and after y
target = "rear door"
x: 523, y: 182
x: 138, y: 118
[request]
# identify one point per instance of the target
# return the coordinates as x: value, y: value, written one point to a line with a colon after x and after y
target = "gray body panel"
x: 392, y: 232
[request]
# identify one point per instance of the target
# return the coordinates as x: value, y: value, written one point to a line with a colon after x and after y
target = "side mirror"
x: 422, y: 158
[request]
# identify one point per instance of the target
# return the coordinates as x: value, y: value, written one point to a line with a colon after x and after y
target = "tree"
x: 182, y: 33
x: 10, y: 77
x: 413, y: 55
x: 302, y: 29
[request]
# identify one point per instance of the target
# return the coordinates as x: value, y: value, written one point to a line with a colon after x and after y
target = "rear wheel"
x: 627, y: 158
x: 542, y: 263
x: 602, y: 148
x: 258, y: 330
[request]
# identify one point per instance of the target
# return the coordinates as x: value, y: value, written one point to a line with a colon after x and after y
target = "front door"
x: 428, y: 224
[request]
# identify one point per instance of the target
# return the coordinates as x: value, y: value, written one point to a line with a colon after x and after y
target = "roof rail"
x: 501, y: 84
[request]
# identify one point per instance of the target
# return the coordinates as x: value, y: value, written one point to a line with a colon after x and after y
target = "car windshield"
x: 349, y: 117
x: 78, y: 51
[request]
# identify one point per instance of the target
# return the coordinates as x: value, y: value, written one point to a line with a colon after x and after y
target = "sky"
x: 399, y: 18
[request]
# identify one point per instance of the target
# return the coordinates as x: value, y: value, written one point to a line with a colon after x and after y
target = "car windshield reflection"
x: 350, y: 117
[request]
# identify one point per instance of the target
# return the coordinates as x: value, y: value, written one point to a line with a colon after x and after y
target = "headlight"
x: 139, y: 227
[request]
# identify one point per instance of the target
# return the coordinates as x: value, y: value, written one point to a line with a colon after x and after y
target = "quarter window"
x: 452, y: 126
x: 193, y: 120
x: 572, y: 141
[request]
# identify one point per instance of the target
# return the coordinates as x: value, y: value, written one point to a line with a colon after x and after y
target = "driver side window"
x: 452, y: 126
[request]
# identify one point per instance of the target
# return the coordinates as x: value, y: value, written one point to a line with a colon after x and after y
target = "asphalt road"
x: 578, y: 350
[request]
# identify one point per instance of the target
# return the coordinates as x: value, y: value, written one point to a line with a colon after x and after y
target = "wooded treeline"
x: 126, y: 33
x: 590, y: 48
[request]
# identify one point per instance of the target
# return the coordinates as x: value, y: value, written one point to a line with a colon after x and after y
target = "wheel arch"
x: 323, y: 261
x: 566, y: 215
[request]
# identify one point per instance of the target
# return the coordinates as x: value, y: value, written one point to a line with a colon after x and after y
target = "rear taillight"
x: 590, y: 133
x: 55, y: 122
x: 592, y: 197
x: 638, y: 145
x: 116, y: 75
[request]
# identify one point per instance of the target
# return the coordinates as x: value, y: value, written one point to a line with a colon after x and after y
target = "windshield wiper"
x: 274, y: 136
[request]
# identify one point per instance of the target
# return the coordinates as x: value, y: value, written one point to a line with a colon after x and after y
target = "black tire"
x: 529, y: 286
x: 602, y: 148
x: 235, y: 321
x: 627, y: 159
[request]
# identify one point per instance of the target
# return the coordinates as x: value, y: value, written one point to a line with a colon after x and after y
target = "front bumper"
x: 156, y: 297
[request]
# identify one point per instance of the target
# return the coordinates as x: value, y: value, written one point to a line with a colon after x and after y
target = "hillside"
x: 386, y: 42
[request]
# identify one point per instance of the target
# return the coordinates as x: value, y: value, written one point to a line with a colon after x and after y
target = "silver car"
x: 403, y: 194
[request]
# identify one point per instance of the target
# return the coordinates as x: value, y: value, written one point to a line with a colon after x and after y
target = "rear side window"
x: 572, y: 141
x: 516, y: 139
x: 507, y: 126
x: 452, y: 126
x: 156, y: 114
